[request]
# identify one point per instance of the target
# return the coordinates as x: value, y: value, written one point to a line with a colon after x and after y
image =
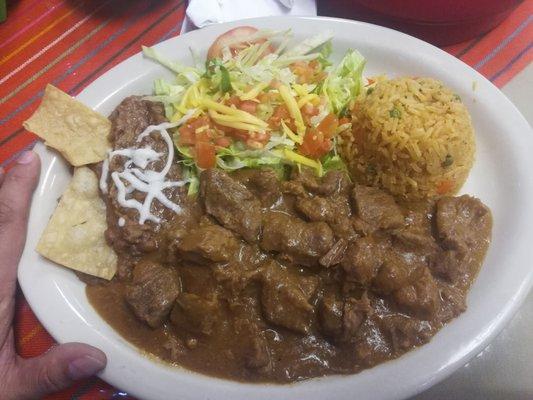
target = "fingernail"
x: 84, y: 367
x: 26, y: 157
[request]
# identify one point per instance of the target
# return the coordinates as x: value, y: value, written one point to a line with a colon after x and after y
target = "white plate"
x: 501, y: 177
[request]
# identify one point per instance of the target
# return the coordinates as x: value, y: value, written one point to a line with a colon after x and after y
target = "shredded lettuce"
x: 309, y: 44
x: 191, y: 74
x: 263, y: 66
x: 344, y: 81
x: 325, y: 52
x: 333, y: 162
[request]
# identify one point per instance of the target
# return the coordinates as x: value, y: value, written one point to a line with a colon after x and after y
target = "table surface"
x: 113, y: 30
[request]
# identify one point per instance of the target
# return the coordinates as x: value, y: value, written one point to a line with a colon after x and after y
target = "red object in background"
x: 441, y: 22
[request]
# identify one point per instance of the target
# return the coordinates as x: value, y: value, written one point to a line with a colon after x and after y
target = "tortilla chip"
x: 76, y: 131
x: 74, y: 236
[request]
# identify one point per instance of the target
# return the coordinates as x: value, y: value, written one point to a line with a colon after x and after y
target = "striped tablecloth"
x: 69, y: 43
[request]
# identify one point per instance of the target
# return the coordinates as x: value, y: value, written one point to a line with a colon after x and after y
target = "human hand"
x: 62, y: 365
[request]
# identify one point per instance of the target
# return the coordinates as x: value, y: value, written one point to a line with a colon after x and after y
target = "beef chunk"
x: 362, y: 259
x: 152, y: 292
x: 197, y: 279
x: 334, y: 210
x: 332, y: 182
x: 330, y: 312
x: 285, y: 298
x: 355, y: 312
x: 462, y: 222
x: 361, y: 227
x: 195, y: 314
x: 305, y: 242
x: 263, y: 183
x: 420, y: 298
x: 247, y: 326
x: 234, y: 276
x: 377, y: 208
x: 448, y: 265
x: 340, y: 320
x: 404, y: 332
x: 207, y: 243
x: 412, y: 241
x: 257, y: 356
x: 231, y: 203
x: 453, y: 302
x: 397, y: 271
x: 335, y: 254
x: 314, y: 208
x: 294, y: 188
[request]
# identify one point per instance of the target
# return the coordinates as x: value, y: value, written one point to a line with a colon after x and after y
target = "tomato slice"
x: 234, y: 39
x: 223, y: 141
x: 205, y: 155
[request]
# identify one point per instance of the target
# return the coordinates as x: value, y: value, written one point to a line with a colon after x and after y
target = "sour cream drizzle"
x: 141, y: 179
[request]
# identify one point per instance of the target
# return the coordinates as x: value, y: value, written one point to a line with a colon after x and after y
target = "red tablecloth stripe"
x: 83, y: 39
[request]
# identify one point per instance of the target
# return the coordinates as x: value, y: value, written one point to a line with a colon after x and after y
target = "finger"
x: 55, y: 370
x: 15, y: 197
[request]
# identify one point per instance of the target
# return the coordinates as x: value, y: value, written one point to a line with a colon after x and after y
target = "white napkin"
x: 201, y: 13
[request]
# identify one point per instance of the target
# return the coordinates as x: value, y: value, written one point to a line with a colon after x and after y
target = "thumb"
x: 57, y: 369
x: 15, y: 197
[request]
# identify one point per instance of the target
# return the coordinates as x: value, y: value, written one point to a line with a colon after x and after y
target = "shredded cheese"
x: 294, y: 111
x: 241, y: 116
x: 309, y: 98
x: 298, y: 158
x: 233, y: 122
x: 254, y: 92
x: 294, y: 137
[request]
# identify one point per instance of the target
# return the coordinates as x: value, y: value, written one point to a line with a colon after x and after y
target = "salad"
x: 258, y: 101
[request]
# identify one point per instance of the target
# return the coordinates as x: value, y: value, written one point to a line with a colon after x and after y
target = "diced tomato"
x: 445, y: 186
x: 280, y: 113
x: 223, y: 141
x: 236, y: 39
x: 205, y: 155
x: 328, y: 126
x: 225, y: 129
x: 196, y: 123
x: 240, y: 134
x: 249, y: 106
x: 186, y: 136
x: 315, y: 144
x: 233, y: 101
x: 245, y: 105
x: 370, y: 81
x: 205, y: 135
x: 308, y: 111
x: 263, y: 137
